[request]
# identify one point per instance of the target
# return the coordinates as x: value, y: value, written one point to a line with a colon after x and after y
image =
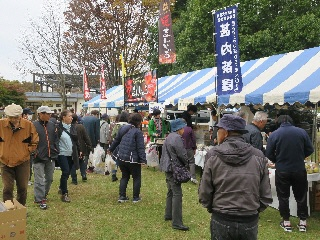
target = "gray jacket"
x: 174, y: 149
x: 235, y: 179
x: 254, y: 136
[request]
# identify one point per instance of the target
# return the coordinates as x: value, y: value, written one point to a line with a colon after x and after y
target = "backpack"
x: 115, y: 130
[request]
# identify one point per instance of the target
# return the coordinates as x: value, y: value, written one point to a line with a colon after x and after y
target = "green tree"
x: 11, y: 92
x: 266, y: 27
x: 99, y: 31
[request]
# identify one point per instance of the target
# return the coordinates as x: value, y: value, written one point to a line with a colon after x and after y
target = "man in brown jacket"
x: 18, y: 139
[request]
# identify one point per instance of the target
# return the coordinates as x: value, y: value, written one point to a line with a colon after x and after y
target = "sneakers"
x: 136, y: 200
x: 286, y: 225
x: 302, y: 226
x: 84, y: 178
x: 74, y: 182
x: 43, y: 205
x: 30, y: 183
x: 123, y: 199
x: 195, y: 181
x: 65, y: 198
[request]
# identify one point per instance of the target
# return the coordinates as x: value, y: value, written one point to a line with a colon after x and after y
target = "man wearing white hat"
x: 47, y: 154
x: 18, y: 139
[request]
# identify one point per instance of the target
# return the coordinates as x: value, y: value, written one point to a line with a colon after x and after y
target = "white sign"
x: 155, y: 105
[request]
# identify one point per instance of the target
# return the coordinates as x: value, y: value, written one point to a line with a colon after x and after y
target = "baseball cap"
x: 27, y: 111
x: 13, y: 110
x: 45, y: 109
x: 231, y: 122
x: 104, y: 116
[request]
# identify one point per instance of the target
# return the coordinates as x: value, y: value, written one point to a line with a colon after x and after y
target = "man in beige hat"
x: 18, y: 139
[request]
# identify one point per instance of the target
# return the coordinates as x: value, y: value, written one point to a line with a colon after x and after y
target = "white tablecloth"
x: 199, y: 158
x: 292, y: 202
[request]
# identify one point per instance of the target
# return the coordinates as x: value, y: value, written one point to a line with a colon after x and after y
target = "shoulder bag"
x: 180, y: 172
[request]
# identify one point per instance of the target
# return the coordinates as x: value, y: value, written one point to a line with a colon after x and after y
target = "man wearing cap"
x: 47, y: 154
x: 18, y: 139
x: 174, y: 150
x: 27, y: 114
x: 235, y: 183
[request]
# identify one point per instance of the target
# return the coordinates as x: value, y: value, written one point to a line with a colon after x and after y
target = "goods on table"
x: 312, y: 167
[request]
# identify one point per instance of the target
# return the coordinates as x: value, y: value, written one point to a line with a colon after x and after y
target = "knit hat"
x: 13, y: 110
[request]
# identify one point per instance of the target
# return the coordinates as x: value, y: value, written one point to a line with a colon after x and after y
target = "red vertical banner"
x: 167, y: 51
x: 102, y: 84
x: 86, y: 91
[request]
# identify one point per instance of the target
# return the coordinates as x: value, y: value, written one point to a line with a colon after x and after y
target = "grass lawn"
x: 94, y: 213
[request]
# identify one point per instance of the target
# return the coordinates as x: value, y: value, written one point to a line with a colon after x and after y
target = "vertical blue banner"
x: 229, y: 78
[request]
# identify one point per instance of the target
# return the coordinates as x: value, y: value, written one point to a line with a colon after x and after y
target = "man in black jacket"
x: 47, y: 154
x: 287, y: 147
x: 186, y: 115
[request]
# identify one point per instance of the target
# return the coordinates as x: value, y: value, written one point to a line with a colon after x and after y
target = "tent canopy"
x: 285, y: 78
x: 290, y: 77
x: 114, y: 99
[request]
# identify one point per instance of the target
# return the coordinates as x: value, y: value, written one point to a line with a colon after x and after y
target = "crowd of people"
x: 234, y: 186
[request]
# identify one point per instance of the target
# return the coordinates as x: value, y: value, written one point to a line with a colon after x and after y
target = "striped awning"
x: 284, y: 78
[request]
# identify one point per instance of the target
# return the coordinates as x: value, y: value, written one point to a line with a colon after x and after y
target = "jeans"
x: 227, y: 230
x: 83, y: 167
x: 65, y: 163
x: 299, y: 183
x: 43, y: 178
x: 191, y: 162
x: 20, y: 174
x: 174, y: 201
x: 128, y: 169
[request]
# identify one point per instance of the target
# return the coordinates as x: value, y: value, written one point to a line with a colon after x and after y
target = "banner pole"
x: 215, y: 57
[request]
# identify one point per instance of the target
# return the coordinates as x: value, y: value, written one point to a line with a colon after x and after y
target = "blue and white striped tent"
x: 290, y: 77
x: 114, y: 99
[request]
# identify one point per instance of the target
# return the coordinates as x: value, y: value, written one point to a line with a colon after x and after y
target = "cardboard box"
x: 13, y: 223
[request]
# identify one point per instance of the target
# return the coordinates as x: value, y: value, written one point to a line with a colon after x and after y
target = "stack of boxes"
x: 13, y: 222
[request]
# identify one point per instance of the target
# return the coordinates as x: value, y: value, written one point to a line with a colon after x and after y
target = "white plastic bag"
x: 97, y: 159
x: 152, y: 156
x: 110, y: 164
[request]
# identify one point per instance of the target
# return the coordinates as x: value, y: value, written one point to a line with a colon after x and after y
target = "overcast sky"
x: 14, y: 19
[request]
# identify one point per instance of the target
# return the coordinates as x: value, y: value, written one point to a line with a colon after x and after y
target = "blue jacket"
x: 128, y: 145
x: 92, y: 126
x: 287, y: 147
